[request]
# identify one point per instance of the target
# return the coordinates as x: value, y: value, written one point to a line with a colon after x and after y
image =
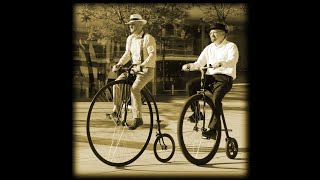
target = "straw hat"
x: 136, y: 17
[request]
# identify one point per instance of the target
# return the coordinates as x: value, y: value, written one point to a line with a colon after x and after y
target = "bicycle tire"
x: 190, y: 140
x: 164, y: 149
x: 105, y: 134
x: 231, y: 148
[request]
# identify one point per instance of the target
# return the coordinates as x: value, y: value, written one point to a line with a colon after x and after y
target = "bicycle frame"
x: 129, y: 80
x: 203, y: 92
x: 163, y: 146
x: 199, y: 111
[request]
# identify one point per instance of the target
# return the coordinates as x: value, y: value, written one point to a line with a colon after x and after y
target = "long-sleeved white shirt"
x: 133, y: 49
x: 226, y: 52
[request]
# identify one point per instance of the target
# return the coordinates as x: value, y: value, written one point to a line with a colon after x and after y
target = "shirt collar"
x: 221, y: 44
x: 139, y: 35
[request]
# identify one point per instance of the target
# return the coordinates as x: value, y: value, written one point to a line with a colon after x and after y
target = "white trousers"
x: 140, y: 81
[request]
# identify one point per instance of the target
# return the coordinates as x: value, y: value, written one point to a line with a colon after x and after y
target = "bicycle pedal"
x: 124, y: 123
x: 111, y: 117
x: 118, y: 122
x: 203, y: 137
x: 229, y: 130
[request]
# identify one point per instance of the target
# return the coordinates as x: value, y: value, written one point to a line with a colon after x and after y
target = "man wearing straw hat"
x: 141, y: 49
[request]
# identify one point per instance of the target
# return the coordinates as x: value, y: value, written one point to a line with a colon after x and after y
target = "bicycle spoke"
x: 110, y: 139
x: 118, y: 142
x: 114, y: 132
x: 196, y: 149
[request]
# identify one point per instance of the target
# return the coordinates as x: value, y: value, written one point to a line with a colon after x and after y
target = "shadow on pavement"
x: 216, y: 165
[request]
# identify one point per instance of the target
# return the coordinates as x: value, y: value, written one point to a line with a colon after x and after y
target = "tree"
x: 84, y: 46
x: 108, y: 20
x: 219, y: 12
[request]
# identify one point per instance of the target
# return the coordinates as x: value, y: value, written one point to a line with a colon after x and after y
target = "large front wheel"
x: 108, y: 134
x: 194, y: 147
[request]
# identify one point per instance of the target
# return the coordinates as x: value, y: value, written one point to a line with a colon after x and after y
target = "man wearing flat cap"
x: 141, y: 49
x: 223, y: 56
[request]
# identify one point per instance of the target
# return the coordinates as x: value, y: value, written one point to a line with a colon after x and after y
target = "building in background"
x: 175, y: 47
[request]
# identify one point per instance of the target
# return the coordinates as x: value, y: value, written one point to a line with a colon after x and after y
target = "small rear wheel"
x: 164, y: 147
x: 231, y: 148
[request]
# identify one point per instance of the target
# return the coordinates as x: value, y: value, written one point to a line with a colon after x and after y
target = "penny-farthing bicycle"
x: 194, y: 147
x: 109, y: 137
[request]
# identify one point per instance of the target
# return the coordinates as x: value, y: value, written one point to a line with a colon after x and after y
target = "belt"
x: 223, y: 75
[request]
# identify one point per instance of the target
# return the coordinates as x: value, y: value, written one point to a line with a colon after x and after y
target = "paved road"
x: 85, y: 163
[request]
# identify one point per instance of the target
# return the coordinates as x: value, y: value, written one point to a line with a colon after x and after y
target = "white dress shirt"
x: 226, y: 52
x: 133, y: 48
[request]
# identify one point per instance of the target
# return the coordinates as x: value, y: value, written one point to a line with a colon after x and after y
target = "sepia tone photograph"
x: 160, y: 89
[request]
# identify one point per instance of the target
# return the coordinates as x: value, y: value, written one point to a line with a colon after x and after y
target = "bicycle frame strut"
x: 151, y: 99
x: 203, y: 83
x: 202, y: 91
x: 155, y: 107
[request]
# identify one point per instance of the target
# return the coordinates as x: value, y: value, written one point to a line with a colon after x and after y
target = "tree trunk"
x: 85, y: 48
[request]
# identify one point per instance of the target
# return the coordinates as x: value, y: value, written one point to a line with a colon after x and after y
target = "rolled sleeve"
x: 233, y: 55
x: 202, y: 59
x: 150, y: 45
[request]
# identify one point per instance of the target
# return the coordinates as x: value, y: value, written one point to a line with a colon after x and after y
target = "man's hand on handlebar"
x: 136, y: 69
x: 116, y: 67
x: 186, y: 67
x: 218, y: 64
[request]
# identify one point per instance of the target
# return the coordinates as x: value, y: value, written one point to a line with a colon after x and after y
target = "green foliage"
x: 108, y: 19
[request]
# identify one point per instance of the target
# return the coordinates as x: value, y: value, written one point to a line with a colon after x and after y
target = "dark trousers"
x: 219, y: 85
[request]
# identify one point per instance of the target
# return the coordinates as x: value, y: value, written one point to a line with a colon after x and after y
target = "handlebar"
x: 199, y: 68
x: 203, y: 70
x: 128, y: 69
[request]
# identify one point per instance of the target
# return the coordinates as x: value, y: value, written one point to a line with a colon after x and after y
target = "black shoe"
x: 136, y: 123
x: 211, y: 134
x: 192, y: 118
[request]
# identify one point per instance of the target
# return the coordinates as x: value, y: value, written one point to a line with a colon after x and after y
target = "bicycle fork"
x: 225, y: 125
